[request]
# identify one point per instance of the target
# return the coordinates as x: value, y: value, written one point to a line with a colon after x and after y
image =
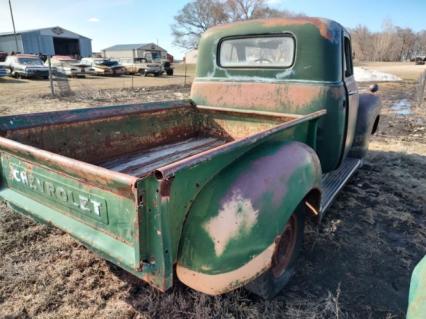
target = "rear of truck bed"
x: 81, y: 170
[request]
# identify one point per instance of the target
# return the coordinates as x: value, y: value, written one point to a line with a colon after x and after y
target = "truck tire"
x: 282, y: 269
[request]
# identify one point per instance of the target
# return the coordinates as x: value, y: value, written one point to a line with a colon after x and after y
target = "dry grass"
x: 357, y: 264
x: 405, y: 70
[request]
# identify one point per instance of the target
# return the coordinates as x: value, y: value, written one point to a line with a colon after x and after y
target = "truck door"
x: 352, y: 97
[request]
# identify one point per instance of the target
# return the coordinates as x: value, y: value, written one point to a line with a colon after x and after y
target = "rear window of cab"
x: 257, y: 52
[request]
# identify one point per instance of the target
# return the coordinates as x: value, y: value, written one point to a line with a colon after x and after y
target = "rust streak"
x: 267, y: 96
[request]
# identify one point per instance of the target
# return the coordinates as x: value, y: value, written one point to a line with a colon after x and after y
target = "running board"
x: 334, y: 181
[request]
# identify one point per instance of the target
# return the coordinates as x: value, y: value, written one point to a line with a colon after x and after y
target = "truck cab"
x: 215, y: 189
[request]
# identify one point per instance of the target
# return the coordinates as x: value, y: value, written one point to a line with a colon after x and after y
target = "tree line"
x: 392, y: 43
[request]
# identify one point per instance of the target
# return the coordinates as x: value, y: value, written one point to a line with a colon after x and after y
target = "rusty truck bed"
x: 90, y: 171
x: 137, y: 139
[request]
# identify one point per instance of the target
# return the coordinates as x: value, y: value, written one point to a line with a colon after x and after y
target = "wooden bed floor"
x: 141, y: 163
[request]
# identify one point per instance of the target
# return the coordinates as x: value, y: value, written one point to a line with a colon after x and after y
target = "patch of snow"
x: 402, y: 107
x: 368, y: 75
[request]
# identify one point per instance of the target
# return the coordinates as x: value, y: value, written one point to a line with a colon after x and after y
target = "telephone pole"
x: 14, y: 30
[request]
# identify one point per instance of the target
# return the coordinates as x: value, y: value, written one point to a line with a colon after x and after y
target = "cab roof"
x: 318, y: 50
x: 326, y: 27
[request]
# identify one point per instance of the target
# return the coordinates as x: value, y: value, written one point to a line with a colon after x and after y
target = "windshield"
x: 264, y: 51
x: 106, y: 62
x: 156, y: 56
x: 30, y: 61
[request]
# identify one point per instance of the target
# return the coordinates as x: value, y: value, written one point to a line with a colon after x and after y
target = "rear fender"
x: 229, y: 236
x: 366, y: 125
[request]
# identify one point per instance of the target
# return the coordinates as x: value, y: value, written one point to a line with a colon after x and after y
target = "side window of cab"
x: 348, y: 64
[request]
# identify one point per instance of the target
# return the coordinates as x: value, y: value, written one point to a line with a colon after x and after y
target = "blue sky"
x: 109, y: 22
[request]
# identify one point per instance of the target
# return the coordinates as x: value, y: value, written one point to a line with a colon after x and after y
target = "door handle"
x: 352, y: 93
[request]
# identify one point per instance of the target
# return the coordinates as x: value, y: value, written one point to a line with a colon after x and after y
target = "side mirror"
x: 374, y: 88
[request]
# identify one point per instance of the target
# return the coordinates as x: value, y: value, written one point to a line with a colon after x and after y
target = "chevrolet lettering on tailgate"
x: 83, y: 203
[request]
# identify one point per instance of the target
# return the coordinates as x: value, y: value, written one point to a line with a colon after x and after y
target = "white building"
x: 134, y: 51
x: 191, y: 57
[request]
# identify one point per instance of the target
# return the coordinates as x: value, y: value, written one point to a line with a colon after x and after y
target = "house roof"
x: 38, y: 30
x: 136, y: 46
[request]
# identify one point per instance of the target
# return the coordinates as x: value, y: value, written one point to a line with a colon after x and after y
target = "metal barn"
x: 47, y: 41
x: 133, y: 51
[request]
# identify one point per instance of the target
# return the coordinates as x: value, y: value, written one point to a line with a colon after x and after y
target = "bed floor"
x: 141, y: 163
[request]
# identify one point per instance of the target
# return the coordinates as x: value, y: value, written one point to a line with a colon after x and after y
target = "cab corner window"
x: 257, y: 52
x: 348, y: 58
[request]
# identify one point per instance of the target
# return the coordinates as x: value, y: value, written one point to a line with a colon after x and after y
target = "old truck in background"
x: 141, y: 66
x: 216, y: 187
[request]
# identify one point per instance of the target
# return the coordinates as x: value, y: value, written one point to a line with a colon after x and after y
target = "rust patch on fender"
x: 165, y: 186
x: 221, y: 283
x: 236, y: 216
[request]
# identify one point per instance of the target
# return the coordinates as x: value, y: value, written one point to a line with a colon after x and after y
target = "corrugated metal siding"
x: 42, y: 42
x: 35, y: 43
x: 8, y: 44
x: 85, y: 47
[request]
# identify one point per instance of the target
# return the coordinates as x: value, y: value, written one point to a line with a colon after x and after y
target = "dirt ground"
x: 32, y: 95
x: 356, y: 264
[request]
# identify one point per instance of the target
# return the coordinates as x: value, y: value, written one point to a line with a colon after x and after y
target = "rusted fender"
x: 366, y: 124
x: 229, y: 235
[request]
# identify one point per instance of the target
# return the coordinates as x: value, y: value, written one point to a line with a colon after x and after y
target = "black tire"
x: 170, y: 72
x: 282, y: 269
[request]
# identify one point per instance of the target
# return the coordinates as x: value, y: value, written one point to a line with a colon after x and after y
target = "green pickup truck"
x: 214, y: 189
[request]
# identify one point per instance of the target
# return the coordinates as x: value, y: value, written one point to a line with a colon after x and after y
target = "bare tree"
x: 408, y: 39
x: 194, y: 19
x: 362, y: 43
x: 420, y: 44
x: 199, y: 15
x: 245, y: 9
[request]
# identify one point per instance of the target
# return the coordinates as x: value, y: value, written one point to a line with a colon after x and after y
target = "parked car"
x: 100, y: 66
x: 141, y: 67
x: 27, y: 66
x: 215, y: 189
x: 3, y: 70
x: 70, y: 66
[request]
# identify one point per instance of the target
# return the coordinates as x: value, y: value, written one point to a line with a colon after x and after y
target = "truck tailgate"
x: 96, y: 206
